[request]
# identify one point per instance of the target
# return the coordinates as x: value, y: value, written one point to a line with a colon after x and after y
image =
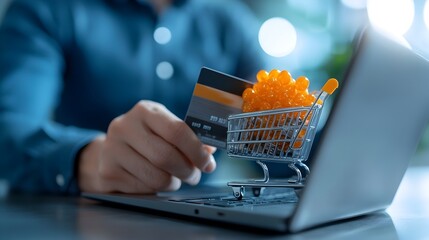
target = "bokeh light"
x: 164, y: 70
x: 426, y: 14
x: 162, y: 35
x: 354, y: 4
x: 277, y: 37
x: 394, y: 17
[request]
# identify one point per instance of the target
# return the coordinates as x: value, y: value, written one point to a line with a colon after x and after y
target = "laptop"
x: 372, y: 131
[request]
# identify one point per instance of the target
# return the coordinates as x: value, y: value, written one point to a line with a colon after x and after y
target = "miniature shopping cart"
x: 281, y: 135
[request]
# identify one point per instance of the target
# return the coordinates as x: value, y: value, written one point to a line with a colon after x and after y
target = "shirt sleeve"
x: 37, y: 154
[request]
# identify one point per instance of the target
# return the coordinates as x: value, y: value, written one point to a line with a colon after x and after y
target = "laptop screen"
x: 372, y: 131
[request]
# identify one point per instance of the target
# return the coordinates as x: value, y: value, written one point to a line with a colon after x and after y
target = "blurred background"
x: 314, y: 38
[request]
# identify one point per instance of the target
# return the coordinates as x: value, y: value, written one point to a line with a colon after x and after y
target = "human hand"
x: 146, y: 150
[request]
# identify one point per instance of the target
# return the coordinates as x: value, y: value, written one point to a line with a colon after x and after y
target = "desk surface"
x: 56, y: 217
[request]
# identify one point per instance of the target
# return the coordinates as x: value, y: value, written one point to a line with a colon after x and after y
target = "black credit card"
x: 216, y: 96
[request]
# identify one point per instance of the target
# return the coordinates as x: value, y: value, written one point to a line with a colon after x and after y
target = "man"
x: 92, y: 92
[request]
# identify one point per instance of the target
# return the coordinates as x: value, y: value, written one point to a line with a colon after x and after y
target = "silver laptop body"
x: 372, y: 132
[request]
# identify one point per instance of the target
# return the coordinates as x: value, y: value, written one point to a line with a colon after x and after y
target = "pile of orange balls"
x: 277, y: 89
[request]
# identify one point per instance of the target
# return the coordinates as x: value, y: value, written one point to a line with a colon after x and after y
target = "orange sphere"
x: 262, y: 75
x: 277, y: 89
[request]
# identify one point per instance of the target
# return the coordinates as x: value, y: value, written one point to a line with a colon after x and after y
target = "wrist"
x: 87, y: 165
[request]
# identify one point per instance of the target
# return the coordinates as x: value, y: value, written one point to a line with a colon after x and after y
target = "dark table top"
x: 24, y: 216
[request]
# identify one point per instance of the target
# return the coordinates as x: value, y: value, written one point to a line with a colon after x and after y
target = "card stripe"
x: 222, y: 81
x: 218, y: 96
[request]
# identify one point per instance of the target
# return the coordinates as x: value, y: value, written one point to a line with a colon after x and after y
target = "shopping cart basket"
x: 281, y: 135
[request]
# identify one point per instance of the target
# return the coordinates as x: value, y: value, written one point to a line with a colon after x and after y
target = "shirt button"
x: 162, y: 35
x: 60, y: 180
x: 164, y: 70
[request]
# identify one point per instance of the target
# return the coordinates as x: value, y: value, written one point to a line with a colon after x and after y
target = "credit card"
x: 216, y: 96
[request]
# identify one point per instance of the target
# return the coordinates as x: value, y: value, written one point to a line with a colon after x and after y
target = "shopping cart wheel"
x: 257, y: 191
x: 238, y: 192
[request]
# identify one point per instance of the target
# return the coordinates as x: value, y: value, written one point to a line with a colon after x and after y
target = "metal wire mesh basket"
x: 281, y: 135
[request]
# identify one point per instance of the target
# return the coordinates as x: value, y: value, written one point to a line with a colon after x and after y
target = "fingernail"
x: 211, y: 166
x: 195, y: 178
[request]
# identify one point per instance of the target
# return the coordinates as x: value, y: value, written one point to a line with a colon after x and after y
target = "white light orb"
x: 277, y: 37
x: 162, y: 35
x: 392, y: 16
x: 164, y: 70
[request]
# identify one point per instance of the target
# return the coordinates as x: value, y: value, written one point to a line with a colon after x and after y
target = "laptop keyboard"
x: 230, y: 201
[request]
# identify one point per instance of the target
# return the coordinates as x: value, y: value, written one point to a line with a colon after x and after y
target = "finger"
x: 113, y: 177
x: 125, y: 182
x: 175, y: 131
x: 155, y: 149
x: 210, y: 149
x: 164, y: 156
x: 132, y: 184
x: 147, y: 173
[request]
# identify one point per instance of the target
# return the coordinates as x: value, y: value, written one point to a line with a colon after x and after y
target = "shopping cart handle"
x: 330, y: 86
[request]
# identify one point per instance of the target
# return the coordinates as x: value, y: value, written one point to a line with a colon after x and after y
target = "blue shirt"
x: 67, y: 68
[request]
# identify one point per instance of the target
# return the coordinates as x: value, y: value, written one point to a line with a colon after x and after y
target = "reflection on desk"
x: 57, y: 217
x: 410, y: 208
